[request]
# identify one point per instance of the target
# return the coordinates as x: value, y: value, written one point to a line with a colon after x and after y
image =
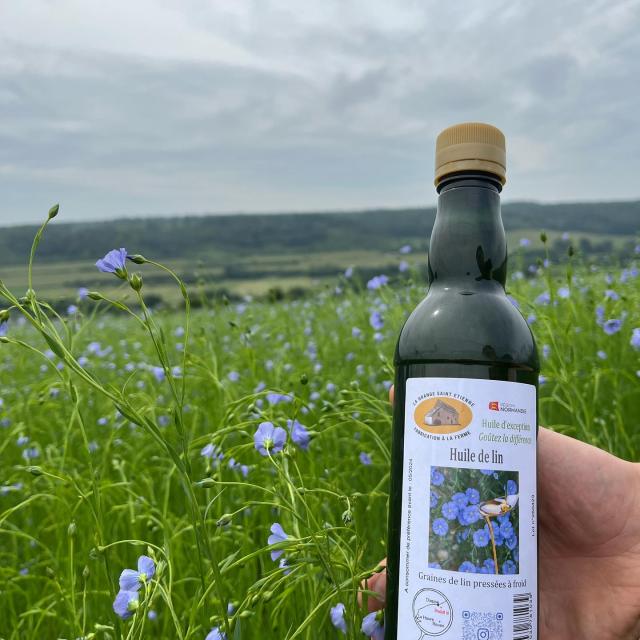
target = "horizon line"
x: 302, y: 212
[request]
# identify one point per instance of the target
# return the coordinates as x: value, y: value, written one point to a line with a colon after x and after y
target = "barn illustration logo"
x: 442, y: 414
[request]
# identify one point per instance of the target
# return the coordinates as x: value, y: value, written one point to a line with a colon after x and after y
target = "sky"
x: 164, y: 107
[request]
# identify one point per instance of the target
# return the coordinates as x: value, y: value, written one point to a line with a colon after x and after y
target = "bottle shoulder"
x: 479, y: 324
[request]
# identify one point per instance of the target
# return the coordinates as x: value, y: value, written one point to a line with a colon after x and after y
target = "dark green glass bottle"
x: 462, y: 507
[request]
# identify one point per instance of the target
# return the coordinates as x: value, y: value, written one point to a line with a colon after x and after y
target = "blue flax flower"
x: 468, y: 567
x: 114, y: 262
x: 216, y: 634
x: 376, y: 282
x: 278, y: 398
x: 434, y: 565
x: 473, y: 495
x: 126, y: 603
x: 635, y: 339
x: 299, y: 434
x: 440, y: 526
x: 506, y: 529
x: 512, y: 487
x: 436, y: 477
x: 283, y: 564
x: 512, y: 542
x: 543, y: 298
x: 468, y: 515
x: 481, y: 538
x: 365, y: 459
x: 277, y: 535
x: 376, y: 321
x: 509, y: 567
x: 373, y: 625
x: 612, y: 326
x: 450, y: 510
x: 460, y: 499
x: 337, y: 617
x: 610, y: 294
x: 212, y: 452
x: 488, y: 566
x: 131, y: 580
x: 434, y: 500
x: 269, y: 439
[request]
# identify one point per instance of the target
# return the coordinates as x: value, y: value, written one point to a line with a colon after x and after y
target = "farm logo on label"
x: 494, y: 405
x: 442, y: 415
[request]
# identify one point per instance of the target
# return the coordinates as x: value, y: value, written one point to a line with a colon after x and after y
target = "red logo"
x: 494, y: 405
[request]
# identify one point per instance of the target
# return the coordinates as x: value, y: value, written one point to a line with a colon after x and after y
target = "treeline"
x: 241, y: 235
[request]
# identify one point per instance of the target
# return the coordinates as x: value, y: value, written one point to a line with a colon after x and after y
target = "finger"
x: 378, y: 584
x: 392, y: 394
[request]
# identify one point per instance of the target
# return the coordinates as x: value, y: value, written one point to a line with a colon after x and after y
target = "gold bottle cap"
x: 471, y: 146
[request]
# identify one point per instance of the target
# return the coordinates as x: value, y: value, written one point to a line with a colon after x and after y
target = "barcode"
x: 522, y: 616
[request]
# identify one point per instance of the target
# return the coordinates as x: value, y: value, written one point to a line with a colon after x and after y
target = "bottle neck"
x: 468, y: 241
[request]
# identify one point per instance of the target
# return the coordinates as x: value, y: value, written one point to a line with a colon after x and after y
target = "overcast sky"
x: 127, y: 108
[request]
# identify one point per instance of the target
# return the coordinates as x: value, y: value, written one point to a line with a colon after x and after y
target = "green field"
x: 130, y: 433
x: 285, y: 271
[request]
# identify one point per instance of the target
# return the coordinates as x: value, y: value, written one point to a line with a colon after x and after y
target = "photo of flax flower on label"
x: 474, y: 520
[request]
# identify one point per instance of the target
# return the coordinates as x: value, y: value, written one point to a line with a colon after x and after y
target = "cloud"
x: 159, y: 108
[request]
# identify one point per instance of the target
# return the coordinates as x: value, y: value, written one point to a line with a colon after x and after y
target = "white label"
x: 468, y: 545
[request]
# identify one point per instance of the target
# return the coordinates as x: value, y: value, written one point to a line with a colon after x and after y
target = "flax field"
x: 223, y: 472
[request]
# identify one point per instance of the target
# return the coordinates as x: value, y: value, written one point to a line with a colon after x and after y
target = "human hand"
x: 589, y: 535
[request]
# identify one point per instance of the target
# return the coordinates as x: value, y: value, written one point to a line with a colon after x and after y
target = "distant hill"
x: 378, y: 229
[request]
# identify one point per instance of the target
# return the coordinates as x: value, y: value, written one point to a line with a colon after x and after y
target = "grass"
x: 105, y: 417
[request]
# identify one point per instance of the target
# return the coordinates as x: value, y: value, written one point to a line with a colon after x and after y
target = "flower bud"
x: 304, y: 379
x: 4, y: 315
x: 94, y: 295
x: 72, y: 529
x: 347, y: 517
x: 86, y: 572
x: 53, y: 212
x: 136, y: 282
x: 543, y: 237
x: 224, y: 520
x: 207, y: 483
x: 137, y: 259
x: 35, y: 471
